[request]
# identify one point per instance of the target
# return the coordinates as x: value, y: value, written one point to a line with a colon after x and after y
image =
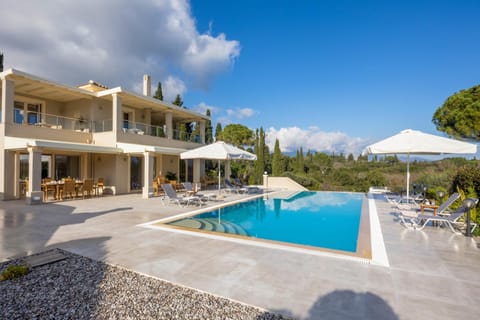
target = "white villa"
x: 49, y: 129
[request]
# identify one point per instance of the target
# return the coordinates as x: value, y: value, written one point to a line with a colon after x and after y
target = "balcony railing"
x: 157, y: 131
x: 55, y: 122
x: 81, y: 125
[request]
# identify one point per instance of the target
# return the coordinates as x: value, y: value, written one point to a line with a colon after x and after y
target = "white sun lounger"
x: 420, y: 221
x: 173, y: 197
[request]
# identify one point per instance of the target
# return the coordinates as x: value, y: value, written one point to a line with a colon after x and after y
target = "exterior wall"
x: 104, y: 167
x: 155, y: 141
x: 170, y: 163
x: 41, y: 133
x: 121, y: 175
x: 114, y: 169
x: 105, y: 139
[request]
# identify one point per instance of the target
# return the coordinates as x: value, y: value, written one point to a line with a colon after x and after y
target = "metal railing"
x: 82, y: 125
x: 55, y: 122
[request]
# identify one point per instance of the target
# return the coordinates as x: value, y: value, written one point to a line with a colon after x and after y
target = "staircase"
x: 211, y: 224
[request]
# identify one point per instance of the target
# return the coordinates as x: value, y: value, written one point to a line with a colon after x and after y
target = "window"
x: 33, y: 114
x: 67, y: 166
x: 27, y: 111
x: 18, y: 112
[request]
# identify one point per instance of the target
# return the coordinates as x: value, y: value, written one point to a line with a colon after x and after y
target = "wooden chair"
x: 99, y: 185
x: 48, y: 188
x: 69, y: 188
x: 87, y: 188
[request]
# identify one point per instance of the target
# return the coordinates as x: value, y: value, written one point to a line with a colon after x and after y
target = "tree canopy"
x: 460, y: 114
x: 238, y: 135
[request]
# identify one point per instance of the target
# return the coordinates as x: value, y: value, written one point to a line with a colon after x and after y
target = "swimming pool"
x: 327, y: 220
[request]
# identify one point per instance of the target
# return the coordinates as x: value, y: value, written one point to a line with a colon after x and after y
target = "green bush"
x: 13, y: 271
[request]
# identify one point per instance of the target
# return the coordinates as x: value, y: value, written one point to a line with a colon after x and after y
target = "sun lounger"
x: 171, y: 194
x: 249, y: 189
x: 409, y: 213
x: 229, y: 187
x: 420, y: 221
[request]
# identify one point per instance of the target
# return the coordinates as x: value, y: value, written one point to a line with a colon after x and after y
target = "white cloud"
x: 292, y: 138
x: 112, y: 41
x: 240, y: 113
x: 202, y: 108
x: 171, y: 87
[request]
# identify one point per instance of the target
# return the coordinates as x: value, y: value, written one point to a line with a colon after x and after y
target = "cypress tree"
x: 277, y: 160
x: 208, y: 129
x: 159, y: 93
x: 260, y: 152
x: 218, y: 132
x: 178, y: 101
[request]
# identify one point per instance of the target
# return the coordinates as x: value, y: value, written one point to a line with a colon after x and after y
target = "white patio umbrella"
x: 416, y: 142
x: 218, y: 151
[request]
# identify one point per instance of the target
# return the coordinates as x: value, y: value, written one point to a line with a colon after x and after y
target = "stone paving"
x: 433, y: 273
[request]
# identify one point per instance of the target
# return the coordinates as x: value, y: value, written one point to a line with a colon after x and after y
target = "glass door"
x: 135, y: 173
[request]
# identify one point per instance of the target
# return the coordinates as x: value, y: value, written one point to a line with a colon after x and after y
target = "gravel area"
x: 82, y: 288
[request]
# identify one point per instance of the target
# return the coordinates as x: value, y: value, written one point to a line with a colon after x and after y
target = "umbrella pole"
x: 219, y: 177
x: 408, y: 177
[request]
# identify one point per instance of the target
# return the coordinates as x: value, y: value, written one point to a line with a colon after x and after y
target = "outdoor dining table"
x: 59, y: 187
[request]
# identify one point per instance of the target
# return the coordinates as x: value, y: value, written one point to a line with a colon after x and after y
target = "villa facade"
x: 53, y: 130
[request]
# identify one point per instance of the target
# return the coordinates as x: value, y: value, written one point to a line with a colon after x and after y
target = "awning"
x: 138, y: 148
x: 12, y: 143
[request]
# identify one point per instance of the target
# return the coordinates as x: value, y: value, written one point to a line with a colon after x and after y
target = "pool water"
x: 321, y: 219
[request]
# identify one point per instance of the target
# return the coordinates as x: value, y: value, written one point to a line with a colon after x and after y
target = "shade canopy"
x: 416, y: 142
x: 218, y: 151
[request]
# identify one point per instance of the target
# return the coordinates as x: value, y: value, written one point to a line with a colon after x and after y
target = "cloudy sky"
x: 324, y: 75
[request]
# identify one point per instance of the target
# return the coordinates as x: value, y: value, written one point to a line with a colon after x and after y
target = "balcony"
x: 138, y: 128
x: 54, y: 122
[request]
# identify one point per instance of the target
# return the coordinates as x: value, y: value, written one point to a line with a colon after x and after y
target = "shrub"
x: 13, y: 271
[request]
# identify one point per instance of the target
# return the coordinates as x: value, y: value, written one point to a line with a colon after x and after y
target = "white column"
x: 169, y: 124
x: 34, y: 194
x: 116, y: 114
x: 7, y: 174
x: 148, y: 120
x: 148, y: 174
x: 16, y: 175
x: 185, y: 163
x: 7, y: 101
x: 196, y: 170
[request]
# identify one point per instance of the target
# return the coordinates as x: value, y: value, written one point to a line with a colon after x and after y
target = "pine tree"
x: 159, y: 93
x: 218, y: 132
x: 178, y: 101
x: 277, y: 160
x: 208, y: 129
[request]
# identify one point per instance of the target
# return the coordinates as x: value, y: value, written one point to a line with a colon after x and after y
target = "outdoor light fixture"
x: 440, y: 195
x: 469, y: 203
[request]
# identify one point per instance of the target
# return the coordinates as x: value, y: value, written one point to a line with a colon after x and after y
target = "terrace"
x: 431, y: 273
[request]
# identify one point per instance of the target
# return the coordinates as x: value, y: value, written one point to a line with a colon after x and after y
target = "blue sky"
x: 325, y: 75
x: 367, y: 69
